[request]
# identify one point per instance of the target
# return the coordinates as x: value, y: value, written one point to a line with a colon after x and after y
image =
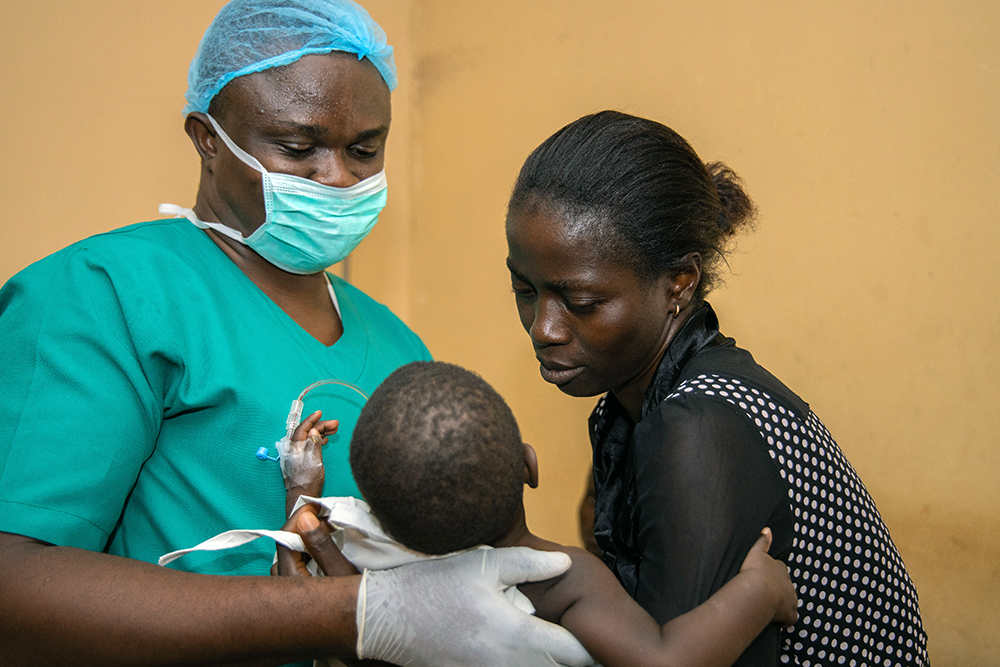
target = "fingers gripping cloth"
x: 357, y: 534
x: 250, y: 36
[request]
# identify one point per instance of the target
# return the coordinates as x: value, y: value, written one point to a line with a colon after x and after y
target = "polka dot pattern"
x: 857, y: 605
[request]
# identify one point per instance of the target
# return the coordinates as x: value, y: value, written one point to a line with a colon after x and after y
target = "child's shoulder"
x: 588, y: 575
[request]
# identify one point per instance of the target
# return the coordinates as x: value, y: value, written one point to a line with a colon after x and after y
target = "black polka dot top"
x: 723, y: 449
x: 857, y: 605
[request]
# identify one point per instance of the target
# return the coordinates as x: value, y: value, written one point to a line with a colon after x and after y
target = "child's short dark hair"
x: 437, y: 454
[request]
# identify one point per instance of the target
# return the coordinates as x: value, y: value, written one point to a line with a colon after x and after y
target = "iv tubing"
x: 295, y: 415
x: 340, y: 382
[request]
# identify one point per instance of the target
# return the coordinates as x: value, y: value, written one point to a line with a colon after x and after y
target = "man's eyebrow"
x: 373, y: 133
x: 302, y: 128
x: 319, y: 130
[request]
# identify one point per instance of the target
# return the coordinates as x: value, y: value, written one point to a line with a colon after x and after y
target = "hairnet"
x: 250, y: 36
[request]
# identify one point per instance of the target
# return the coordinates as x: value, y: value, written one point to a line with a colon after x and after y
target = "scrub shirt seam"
x: 64, y: 513
x: 242, y: 281
x: 34, y: 376
x: 158, y: 423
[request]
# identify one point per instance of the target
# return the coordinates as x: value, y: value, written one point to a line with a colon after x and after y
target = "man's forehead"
x: 294, y: 94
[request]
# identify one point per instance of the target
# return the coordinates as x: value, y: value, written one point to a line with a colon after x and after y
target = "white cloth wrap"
x: 356, y: 533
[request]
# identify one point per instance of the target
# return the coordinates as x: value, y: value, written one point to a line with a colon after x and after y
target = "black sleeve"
x: 706, y: 486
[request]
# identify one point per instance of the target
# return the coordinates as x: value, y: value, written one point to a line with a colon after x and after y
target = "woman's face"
x: 594, y: 324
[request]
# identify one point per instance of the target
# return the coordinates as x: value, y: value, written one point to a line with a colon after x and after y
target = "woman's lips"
x: 559, y: 376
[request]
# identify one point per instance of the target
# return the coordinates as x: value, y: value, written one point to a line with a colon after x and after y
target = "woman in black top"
x: 615, y: 231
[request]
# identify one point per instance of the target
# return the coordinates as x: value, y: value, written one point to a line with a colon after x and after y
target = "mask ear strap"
x: 175, y: 210
x: 246, y: 158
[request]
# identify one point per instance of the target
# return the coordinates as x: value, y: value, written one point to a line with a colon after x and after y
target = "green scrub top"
x: 142, y: 371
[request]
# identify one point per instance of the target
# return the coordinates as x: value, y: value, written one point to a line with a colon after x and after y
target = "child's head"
x: 437, y: 454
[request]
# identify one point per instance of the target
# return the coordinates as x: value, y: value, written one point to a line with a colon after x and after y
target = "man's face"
x: 323, y: 117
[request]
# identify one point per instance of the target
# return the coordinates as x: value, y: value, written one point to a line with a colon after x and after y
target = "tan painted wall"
x: 91, y: 130
x: 867, y: 133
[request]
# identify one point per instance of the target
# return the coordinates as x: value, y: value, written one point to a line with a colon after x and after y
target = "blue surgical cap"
x: 250, y: 36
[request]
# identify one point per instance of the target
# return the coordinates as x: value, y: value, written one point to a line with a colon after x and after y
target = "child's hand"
x: 303, y: 466
x: 774, y: 574
x: 320, y: 431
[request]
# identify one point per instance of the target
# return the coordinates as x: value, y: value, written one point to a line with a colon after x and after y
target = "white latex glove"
x: 452, y: 613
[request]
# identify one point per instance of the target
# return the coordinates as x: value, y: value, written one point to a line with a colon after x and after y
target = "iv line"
x: 295, y: 414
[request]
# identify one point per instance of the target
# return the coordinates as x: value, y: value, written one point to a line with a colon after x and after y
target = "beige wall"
x: 867, y: 133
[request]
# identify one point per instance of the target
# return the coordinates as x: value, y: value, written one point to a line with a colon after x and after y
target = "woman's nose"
x: 547, y: 327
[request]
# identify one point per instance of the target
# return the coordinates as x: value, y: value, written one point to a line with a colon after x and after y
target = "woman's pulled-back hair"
x: 437, y: 454
x: 641, y: 191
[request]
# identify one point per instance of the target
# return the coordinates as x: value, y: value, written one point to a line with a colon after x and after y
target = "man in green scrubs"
x: 130, y: 360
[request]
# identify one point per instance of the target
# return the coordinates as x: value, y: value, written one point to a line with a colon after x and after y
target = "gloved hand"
x: 452, y: 613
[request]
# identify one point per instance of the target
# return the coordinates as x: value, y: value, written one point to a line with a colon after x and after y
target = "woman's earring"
x: 677, y: 310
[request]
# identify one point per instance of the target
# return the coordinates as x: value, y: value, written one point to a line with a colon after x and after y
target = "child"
x: 438, y: 456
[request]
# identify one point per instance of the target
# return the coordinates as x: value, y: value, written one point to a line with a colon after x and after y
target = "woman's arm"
x: 705, y: 486
x: 590, y: 603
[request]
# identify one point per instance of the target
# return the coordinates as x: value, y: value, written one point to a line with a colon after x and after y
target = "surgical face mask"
x: 308, y: 226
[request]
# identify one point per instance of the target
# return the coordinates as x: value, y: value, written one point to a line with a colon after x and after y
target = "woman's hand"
x: 774, y: 574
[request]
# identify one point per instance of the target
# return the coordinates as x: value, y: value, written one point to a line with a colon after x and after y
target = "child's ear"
x: 530, y: 466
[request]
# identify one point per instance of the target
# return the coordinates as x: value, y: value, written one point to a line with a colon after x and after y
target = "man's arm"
x: 61, y: 605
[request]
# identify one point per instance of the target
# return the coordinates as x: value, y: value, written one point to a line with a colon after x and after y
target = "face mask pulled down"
x: 308, y: 226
